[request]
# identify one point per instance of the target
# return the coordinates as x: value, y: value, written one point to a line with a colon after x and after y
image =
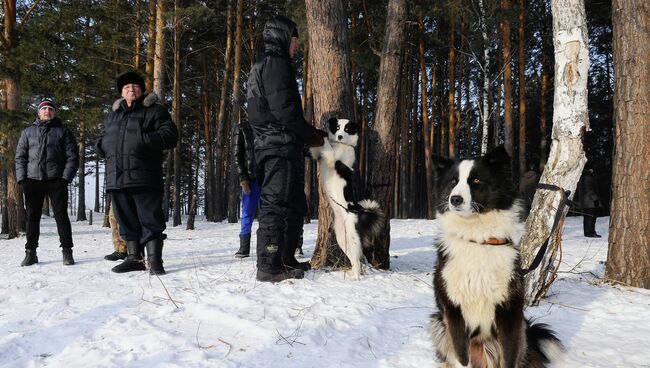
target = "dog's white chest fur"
x: 477, y: 276
x: 334, y: 184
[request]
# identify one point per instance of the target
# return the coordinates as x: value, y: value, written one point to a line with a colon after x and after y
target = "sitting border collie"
x: 356, y: 223
x: 478, y: 284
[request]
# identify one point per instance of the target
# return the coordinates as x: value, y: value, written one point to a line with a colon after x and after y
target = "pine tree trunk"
x: 522, y: 92
x: 96, y: 207
x: 566, y: 158
x: 176, y: 113
x: 221, y: 119
x: 81, y: 204
x: 308, y: 108
x: 15, y: 209
x: 451, y: 129
x: 151, y: 45
x: 381, y: 168
x: 507, y: 80
x: 330, y: 68
x: 159, y: 55
x: 233, y: 181
x: 425, y: 122
x: 628, y: 259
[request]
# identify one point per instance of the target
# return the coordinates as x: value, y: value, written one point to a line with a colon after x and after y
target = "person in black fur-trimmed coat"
x: 135, y: 133
x: 280, y: 131
x: 47, y: 158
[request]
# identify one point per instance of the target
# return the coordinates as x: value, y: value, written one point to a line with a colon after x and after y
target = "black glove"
x: 318, y: 139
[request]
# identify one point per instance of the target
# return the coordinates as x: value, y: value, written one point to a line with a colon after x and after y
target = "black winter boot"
x: 30, y: 258
x: 154, y: 256
x: 67, y: 256
x: 277, y: 277
x: 133, y: 261
x: 115, y: 256
x: 244, y: 246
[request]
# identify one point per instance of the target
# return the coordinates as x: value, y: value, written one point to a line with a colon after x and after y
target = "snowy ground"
x: 209, y: 311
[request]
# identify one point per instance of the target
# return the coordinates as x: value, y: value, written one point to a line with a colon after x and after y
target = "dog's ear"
x: 498, y: 158
x: 331, y: 124
x: 351, y: 128
x: 440, y: 165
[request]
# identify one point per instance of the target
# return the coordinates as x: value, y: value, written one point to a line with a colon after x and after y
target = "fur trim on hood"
x: 151, y: 99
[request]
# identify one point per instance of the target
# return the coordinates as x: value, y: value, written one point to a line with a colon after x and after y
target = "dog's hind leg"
x: 353, y: 245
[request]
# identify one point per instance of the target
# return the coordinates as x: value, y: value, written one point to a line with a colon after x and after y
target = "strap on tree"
x: 564, y: 201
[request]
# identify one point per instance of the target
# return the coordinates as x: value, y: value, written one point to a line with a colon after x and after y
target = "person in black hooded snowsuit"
x: 280, y: 131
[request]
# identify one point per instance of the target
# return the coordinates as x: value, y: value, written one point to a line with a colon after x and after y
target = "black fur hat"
x: 129, y: 78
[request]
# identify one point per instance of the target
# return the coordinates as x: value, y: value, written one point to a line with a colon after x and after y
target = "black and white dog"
x: 356, y: 223
x: 479, y: 288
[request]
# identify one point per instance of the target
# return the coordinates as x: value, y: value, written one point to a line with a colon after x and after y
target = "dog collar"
x: 494, y: 241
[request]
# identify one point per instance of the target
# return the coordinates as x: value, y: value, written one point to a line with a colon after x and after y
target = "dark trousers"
x: 589, y: 221
x: 283, y: 207
x: 139, y: 213
x: 35, y: 192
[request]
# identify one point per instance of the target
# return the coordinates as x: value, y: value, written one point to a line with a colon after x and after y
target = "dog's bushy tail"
x: 371, y: 221
x: 544, y: 347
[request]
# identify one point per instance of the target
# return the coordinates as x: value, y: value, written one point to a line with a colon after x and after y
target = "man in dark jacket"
x: 47, y: 159
x: 135, y: 133
x: 280, y: 131
x: 589, y: 203
x: 245, y: 160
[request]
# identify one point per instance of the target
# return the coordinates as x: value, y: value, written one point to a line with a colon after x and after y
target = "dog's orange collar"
x: 494, y: 241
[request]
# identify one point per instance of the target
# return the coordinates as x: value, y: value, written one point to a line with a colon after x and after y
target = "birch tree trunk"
x: 382, y: 134
x: 522, y: 92
x: 566, y: 158
x: 329, y: 53
x: 485, y: 113
x: 628, y: 259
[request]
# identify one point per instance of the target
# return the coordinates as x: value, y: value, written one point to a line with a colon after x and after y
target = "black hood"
x: 277, y: 35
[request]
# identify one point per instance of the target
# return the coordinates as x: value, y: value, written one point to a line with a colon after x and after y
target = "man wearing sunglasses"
x: 47, y: 159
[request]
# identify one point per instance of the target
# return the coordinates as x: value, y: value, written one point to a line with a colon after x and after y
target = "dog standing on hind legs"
x: 479, y: 287
x: 356, y: 223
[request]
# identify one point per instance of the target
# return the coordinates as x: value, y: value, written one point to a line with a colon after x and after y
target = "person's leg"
x: 296, y: 215
x: 148, y: 203
x: 249, y: 207
x: 274, y: 210
x: 34, y: 196
x: 119, y: 244
x: 35, y: 192
x: 589, y: 223
x: 57, y: 190
x: 125, y: 212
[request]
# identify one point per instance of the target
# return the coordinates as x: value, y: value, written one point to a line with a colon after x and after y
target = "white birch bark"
x: 566, y: 158
x: 485, y: 115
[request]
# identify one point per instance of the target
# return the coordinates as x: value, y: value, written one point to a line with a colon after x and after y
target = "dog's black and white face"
x: 343, y: 131
x: 472, y: 187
